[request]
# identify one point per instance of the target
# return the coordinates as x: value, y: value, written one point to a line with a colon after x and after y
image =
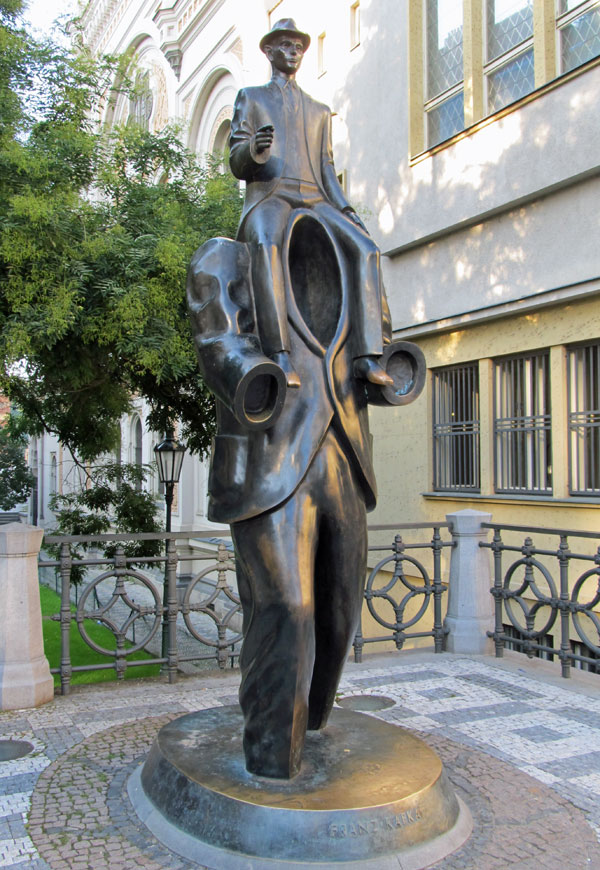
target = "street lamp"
x: 169, y: 459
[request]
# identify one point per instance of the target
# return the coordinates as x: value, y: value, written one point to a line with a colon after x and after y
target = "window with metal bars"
x: 522, y: 425
x: 583, y: 367
x: 456, y: 428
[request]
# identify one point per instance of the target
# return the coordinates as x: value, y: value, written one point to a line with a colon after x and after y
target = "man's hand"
x: 263, y: 138
x: 349, y: 212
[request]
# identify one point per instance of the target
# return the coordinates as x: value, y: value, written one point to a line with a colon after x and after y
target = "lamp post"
x: 169, y: 459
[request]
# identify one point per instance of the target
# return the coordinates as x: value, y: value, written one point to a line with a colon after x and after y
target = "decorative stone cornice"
x: 99, y: 21
x: 178, y: 21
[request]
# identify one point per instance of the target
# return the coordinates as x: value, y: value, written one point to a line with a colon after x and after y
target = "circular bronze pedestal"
x: 368, y: 792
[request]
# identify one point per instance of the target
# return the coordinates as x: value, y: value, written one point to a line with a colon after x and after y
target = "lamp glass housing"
x: 169, y: 457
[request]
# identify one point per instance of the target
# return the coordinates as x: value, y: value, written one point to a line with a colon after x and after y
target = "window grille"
x: 522, y: 425
x: 445, y: 111
x: 583, y: 367
x: 456, y: 428
x: 545, y: 640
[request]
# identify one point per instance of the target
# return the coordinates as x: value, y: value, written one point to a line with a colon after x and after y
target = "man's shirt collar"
x: 282, y: 81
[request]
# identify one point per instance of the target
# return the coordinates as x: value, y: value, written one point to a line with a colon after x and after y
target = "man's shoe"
x: 368, y: 369
x: 291, y: 375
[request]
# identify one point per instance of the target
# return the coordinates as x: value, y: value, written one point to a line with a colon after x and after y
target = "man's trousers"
x: 301, y: 574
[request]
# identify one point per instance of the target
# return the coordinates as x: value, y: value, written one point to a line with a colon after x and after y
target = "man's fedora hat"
x: 283, y: 27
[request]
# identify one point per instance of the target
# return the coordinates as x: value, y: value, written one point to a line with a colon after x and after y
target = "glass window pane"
x: 509, y: 22
x: 580, y: 40
x: 445, y: 120
x: 444, y: 45
x: 567, y: 5
x: 511, y: 82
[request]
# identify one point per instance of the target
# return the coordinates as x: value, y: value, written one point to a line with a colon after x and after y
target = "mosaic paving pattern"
x: 549, y: 732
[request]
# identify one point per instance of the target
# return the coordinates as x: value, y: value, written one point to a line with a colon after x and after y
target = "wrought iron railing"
x: 530, y: 600
x: 142, y: 612
x: 200, y: 619
x: 401, y: 590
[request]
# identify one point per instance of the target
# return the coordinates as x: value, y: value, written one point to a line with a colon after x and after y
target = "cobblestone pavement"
x: 521, y: 746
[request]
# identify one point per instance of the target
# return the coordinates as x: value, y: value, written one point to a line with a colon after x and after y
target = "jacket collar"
x: 282, y: 81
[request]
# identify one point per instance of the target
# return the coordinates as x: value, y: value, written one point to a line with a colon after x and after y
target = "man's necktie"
x: 292, y: 97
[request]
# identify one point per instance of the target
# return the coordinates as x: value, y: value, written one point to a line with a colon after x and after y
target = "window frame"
x: 521, y: 456
x: 354, y: 25
x: 430, y: 104
x: 582, y: 419
x: 321, y: 54
x: 502, y: 60
x: 547, y: 62
x: 458, y: 440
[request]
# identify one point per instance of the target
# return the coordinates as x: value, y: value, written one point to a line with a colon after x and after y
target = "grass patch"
x: 81, y: 653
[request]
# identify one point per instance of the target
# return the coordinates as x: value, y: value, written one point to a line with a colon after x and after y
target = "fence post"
x: 470, y: 605
x: 25, y: 679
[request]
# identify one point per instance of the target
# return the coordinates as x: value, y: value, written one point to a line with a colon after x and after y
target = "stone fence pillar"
x: 25, y: 678
x: 470, y: 604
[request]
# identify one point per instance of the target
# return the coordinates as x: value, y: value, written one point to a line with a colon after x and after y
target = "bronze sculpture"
x: 281, y: 147
x: 293, y: 336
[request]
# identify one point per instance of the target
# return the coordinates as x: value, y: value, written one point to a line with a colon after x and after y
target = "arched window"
x: 220, y: 147
x: 53, y: 474
x: 142, y: 102
x: 136, y: 449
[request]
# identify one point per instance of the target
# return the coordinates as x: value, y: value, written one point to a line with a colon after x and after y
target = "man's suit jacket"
x: 257, y: 106
x: 253, y: 471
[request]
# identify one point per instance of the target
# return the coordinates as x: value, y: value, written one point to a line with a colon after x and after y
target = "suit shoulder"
x: 316, y: 105
x: 252, y: 93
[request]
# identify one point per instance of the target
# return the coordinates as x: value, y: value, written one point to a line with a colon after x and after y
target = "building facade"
x: 465, y: 134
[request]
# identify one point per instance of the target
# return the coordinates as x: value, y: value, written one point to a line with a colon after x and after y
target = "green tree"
x: 110, y: 500
x: 97, y: 227
x: 16, y: 480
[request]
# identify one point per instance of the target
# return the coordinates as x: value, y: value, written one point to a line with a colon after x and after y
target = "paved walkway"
x: 521, y: 746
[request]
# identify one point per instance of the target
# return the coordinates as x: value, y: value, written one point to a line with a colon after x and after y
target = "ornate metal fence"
x: 199, y: 619
x: 142, y: 612
x: 527, y: 594
x: 401, y: 590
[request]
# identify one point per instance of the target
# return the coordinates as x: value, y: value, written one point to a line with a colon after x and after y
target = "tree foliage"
x: 97, y: 227
x: 110, y: 500
x: 16, y: 480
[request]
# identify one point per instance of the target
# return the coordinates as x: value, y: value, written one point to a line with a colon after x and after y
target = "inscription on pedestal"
x: 373, y: 826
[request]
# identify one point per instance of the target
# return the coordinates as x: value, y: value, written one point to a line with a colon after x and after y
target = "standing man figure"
x: 281, y: 146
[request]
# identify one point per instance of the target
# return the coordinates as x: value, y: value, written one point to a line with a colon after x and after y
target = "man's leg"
x: 340, y: 574
x: 275, y: 561
x: 367, y: 303
x: 264, y: 230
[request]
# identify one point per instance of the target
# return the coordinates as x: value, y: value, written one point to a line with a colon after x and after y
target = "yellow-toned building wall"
x: 403, y: 450
x: 403, y: 435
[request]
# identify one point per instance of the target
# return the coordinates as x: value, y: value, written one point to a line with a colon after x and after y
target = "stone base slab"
x: 369, y: 792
